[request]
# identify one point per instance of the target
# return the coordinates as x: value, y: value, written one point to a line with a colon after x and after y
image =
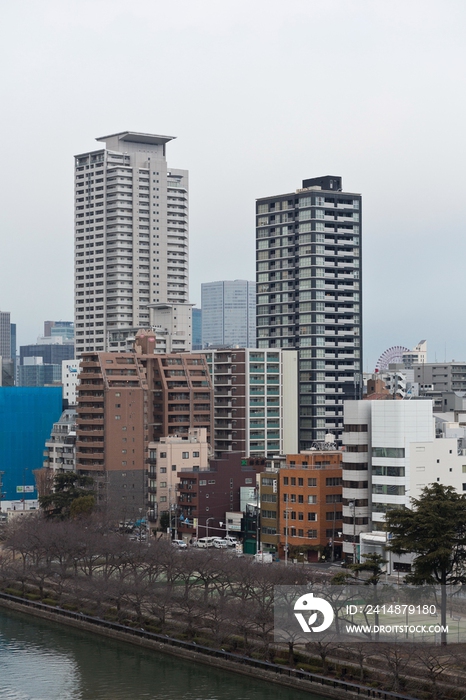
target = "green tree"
x: 434, y: 530
x: 71, y: 496
x: 372, y: 564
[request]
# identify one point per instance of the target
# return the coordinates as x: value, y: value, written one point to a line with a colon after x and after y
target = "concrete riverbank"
x: 320, y: 685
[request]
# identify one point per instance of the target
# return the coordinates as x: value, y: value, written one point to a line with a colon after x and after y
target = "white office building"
x: 70, y: 381
x: 391, y: 454
x: 131, y: 237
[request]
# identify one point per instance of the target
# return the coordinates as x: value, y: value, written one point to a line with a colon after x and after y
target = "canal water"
x: 41, y: 660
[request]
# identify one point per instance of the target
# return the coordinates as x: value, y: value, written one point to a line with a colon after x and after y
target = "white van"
x: 206, y: 542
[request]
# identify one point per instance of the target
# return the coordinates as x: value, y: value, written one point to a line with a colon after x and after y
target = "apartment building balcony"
x: 91, y: 411
x: 222, y: 359
x: 177, y: 420
x: 221, y: 409
x: 84, y: 466
x: 85, y: 402
x: 90, y: 456
x: 89, y: 421
x: 221, y: 369
x: 220, y: 392
x: 82, y: 445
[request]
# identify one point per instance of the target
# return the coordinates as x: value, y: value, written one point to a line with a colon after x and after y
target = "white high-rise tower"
x: 131, y: 238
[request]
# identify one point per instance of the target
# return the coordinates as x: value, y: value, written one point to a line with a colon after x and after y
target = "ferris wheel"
x: 392, y: 355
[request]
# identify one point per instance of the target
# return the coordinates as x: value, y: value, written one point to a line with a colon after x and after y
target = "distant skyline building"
x: 197, y: 329
x: 59, y: 329
x: 51, y: 353
x: 309, y: 295
x: 5, y: 335
x: 229, y: 313
x: 131, y: 237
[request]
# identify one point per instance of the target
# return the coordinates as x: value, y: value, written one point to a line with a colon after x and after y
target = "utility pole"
x: 286, y: 536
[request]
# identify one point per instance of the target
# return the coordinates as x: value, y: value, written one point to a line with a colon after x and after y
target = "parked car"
x: 179, y: 544
x: 204, y: 542
x: 232, y: 541
x: 220, y: 543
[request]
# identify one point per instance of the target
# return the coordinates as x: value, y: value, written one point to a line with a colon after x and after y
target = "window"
x: 203, y: 482
x: 388, y: 471
x: 300, y: 482
x: 334, y: 481
x: 330, y: 515
x: 195, y: 454
x: 312, y: 534
x: 333, y: 498
x: 173, y: 467
x: 270, y: 514
x: 285, y: 481
x: 163, y: 470
x: 392, y: 452
x: 211, y: 481
x: 163, y: 484
x: 312, y: 516
x: 269, y: 498
x: 248, y: 481
x: 388, y: 489
x: 185, y: 455
x: 312, y: 499
x: 163, y: 454
x: 312, y: 482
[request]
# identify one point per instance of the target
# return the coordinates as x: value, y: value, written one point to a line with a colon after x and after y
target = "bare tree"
x: 397, y: 658
x: 435, y: 664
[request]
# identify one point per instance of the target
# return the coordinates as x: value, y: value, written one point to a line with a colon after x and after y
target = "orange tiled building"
x: 301, y: 505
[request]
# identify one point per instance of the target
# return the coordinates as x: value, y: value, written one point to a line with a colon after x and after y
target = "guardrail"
x: 325, y: 681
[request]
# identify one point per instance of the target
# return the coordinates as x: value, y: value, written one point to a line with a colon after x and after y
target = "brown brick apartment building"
x: 208, y: 494
x: 301, y: 505
x: 127, y: 400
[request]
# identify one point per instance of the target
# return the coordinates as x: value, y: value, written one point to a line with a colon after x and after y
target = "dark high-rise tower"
x: 308, y: 258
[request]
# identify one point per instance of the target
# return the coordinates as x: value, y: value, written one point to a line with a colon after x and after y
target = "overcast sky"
x: 260, y: 94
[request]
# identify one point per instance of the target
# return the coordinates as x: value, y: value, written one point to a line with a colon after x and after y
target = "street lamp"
x: 207, y: 526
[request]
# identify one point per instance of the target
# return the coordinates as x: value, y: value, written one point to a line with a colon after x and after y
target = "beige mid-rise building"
x: 167, y: 457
